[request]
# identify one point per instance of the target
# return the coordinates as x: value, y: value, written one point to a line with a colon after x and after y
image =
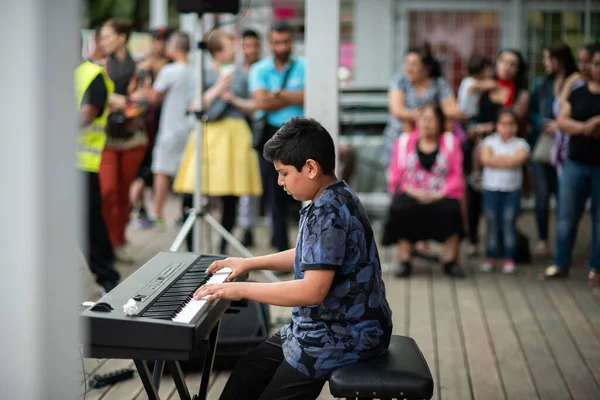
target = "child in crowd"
x: 502, y: 156
x: 479, y: 80
x: 340, y: 312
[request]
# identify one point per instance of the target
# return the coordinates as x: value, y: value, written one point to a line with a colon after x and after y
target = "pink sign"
x: 280, y: 13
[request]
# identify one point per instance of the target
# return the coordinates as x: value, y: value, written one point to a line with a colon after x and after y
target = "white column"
x: 322, y: 44
x: 39, y: 289
x: 513, y: 25
x: 159, y: 13
x: 187, y: 24
x: 587, y: 24
x: 374, y: 23
x: 228, y: 22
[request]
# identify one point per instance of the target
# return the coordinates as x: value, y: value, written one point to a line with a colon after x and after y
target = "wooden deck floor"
x: 487, y: 337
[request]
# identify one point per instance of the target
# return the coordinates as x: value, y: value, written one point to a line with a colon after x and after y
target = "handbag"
x: 542, y: 151
x: 260, y: 127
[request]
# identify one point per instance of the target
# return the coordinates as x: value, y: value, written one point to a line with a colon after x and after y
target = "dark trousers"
x: 276, y: 200
x: 578, y: 182
x: 473, y: 196
x: 228, y: 217
x: 501, y: 212
x: 98, y: 249
x: 545, y: 185
x: 263, y: 374
x: 473, y: 213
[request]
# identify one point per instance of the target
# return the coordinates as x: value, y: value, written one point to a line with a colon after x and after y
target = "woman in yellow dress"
x: 229, y: 163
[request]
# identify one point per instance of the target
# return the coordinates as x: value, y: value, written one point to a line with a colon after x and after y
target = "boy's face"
x: 301, y: 185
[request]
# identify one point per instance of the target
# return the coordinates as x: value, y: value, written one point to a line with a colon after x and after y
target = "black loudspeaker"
x: 240, y: 333
x: 208, y: 6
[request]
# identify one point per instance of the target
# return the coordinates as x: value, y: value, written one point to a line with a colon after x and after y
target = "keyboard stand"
x: 177, y: 373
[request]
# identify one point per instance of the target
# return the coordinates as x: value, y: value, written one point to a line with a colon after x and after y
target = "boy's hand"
x: 227, y: 291
x: 239, y: 266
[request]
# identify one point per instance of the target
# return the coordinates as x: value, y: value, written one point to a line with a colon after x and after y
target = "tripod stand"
x: 199, y: 214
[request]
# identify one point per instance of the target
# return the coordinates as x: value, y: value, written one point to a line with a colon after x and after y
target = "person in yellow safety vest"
x: 92, y: 90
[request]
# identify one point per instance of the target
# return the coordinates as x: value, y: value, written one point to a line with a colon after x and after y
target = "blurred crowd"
x: 450, y: 157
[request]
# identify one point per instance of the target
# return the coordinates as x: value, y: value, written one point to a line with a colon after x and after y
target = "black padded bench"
x: 401, y: 373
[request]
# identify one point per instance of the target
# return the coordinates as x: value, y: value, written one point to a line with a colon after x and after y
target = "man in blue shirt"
x: 281, y: 103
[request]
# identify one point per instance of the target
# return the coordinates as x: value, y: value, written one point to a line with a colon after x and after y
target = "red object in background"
x: 281, y: 13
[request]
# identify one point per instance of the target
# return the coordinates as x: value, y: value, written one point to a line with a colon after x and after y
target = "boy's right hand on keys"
x: 239, y: 266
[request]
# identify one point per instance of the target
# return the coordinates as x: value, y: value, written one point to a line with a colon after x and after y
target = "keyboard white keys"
x: 196, y: 307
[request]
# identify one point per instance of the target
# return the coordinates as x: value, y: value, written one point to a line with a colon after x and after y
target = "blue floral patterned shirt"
x: 355, y: 320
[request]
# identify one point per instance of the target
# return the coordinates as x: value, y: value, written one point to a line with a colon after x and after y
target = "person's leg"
x: 129, y: 165
x: 109, y: 182
x: 290, y: 384
x: 136, y: 191
x: 594, y: 261
x: 509, y: 212
x: 162, y: 183
x: 542, y: 184
x: 187, y: 203
x: 276, y: 200
x: 573, y: 192
x: 473, y: 214
x: 491, y: 203
x: 254, y: 371
x: 450, y: 262
x: 405, y: 249
x: 228, y: 216
x: 99, y: 251
x: 248, y: 212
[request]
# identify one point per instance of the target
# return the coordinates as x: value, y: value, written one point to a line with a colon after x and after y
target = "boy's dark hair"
x: 250, y: 33
x: 299, y: 140
x: 282, y: 27
x: 477, y: 64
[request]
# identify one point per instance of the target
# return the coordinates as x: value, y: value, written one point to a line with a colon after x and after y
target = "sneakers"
x: 594, y: 277
x: 157, y: 222
x: 106, y: 287
x: 403, y: 270
x: 453, y: 270
x: 487, y: 266
x: 555, y: 272
x: 123, y: 254
x: 508, y: 268
x: 248, y: 239
x: 541, y: 249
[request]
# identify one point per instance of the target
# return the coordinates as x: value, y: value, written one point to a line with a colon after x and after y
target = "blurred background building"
x: 374, y: 34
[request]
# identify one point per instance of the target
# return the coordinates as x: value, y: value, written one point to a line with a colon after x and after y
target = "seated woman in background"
x: 425, y: 176
x: 421, y: 84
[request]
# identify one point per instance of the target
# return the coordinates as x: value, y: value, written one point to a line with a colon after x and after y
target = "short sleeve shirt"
x: 96, y: 94
x: 436, y: 92
x: 503, y: 179
x: 355, y: 320
x: 175, y: 80
x: 584, y: 105
x: 264, y: 75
